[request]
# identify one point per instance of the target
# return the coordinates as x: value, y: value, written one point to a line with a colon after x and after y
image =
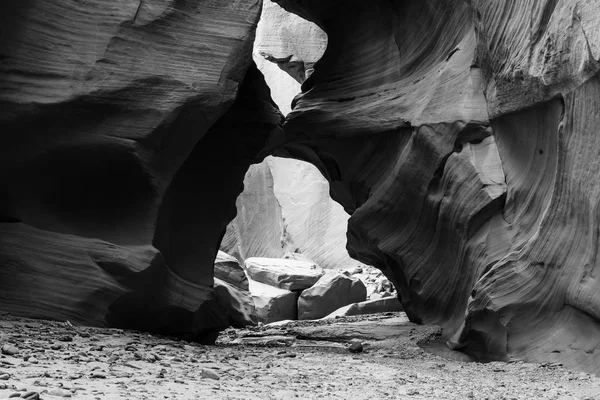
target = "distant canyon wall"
x: 285, y: 205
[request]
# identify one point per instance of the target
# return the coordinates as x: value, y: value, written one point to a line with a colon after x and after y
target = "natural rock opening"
x: 460, y: 136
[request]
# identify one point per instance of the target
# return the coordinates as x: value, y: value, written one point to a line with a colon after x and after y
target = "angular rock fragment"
x: 332, y: 291
x: 228, y: 269
x: 283, y: 273
x: 273, y: 304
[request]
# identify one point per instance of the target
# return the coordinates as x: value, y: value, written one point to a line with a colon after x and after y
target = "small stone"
x: 98, y: 375
x: 26, y: 395
x: 84, y: 335
x: 9, y: 350
x: 59, y: 393
x: 122, y: 374
x: 66, y: 338
x: 206, y: 373
x: 355, y: 347
x: 4, y: 377
x: 56, y: 346
x: 33, y: 360
x: 138, y: 356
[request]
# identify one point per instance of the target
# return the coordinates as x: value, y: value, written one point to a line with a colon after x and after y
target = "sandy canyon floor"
x: 299, y: 360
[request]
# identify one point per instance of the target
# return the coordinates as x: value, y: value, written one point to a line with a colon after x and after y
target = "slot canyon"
x: 455, y: 137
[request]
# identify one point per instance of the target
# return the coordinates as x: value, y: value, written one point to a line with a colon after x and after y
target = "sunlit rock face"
x: 285, y: 51
x: 125, y: 130
x: 286, y: 208
x: 463, y: 139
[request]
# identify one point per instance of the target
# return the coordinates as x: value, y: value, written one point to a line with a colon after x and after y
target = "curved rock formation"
x: 125, y: 143
x: 461, y: 136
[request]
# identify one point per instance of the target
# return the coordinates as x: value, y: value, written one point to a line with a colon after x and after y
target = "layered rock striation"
x: 461, y: 136
x: 127, y: 130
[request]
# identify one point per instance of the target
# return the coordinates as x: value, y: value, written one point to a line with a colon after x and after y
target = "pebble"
x: 355, y: 347
x: 98, y: 375
x: 206, y: 373
x: 4, y: 377
x: 9, y: 350
x: 56, y: 346
x: 66, y: 338
x: 59, y: 393
x: 26, y: 395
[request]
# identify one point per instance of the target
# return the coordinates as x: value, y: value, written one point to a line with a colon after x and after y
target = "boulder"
x: 283, y: 273
x: 228, y: 269
x: 332, y: 291
x: 272, y: 303
x: 236, y: 304
x: 389, y: 304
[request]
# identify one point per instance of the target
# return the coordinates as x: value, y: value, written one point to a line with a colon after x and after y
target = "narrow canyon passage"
x: 457, y: 141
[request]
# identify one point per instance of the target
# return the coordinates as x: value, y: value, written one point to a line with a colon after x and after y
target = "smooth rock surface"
x: 283, y: 273
x: 285, y: 51
x: 332, y: 291
x: 388, y: 304
x: 462, y: 137
x: 272, y: 303
x: 112, y: 202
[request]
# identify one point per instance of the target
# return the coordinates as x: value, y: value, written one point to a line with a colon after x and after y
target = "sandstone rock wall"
x: 461, y: 136
x: 127, y: 129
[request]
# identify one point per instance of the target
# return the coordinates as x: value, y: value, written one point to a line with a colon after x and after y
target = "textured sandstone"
x: 272, y: 303
x: 285, y: 50
x: 113, y: 114
x: 462, y: 138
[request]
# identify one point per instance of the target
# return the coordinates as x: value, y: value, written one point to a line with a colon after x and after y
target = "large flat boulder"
x: 284, y: 273
x: 387, y: 304
x: 273, y: 304
x: 332, y: 291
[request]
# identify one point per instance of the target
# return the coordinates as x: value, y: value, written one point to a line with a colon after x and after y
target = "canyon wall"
x: 127, y: 130
x: 462, y: 138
